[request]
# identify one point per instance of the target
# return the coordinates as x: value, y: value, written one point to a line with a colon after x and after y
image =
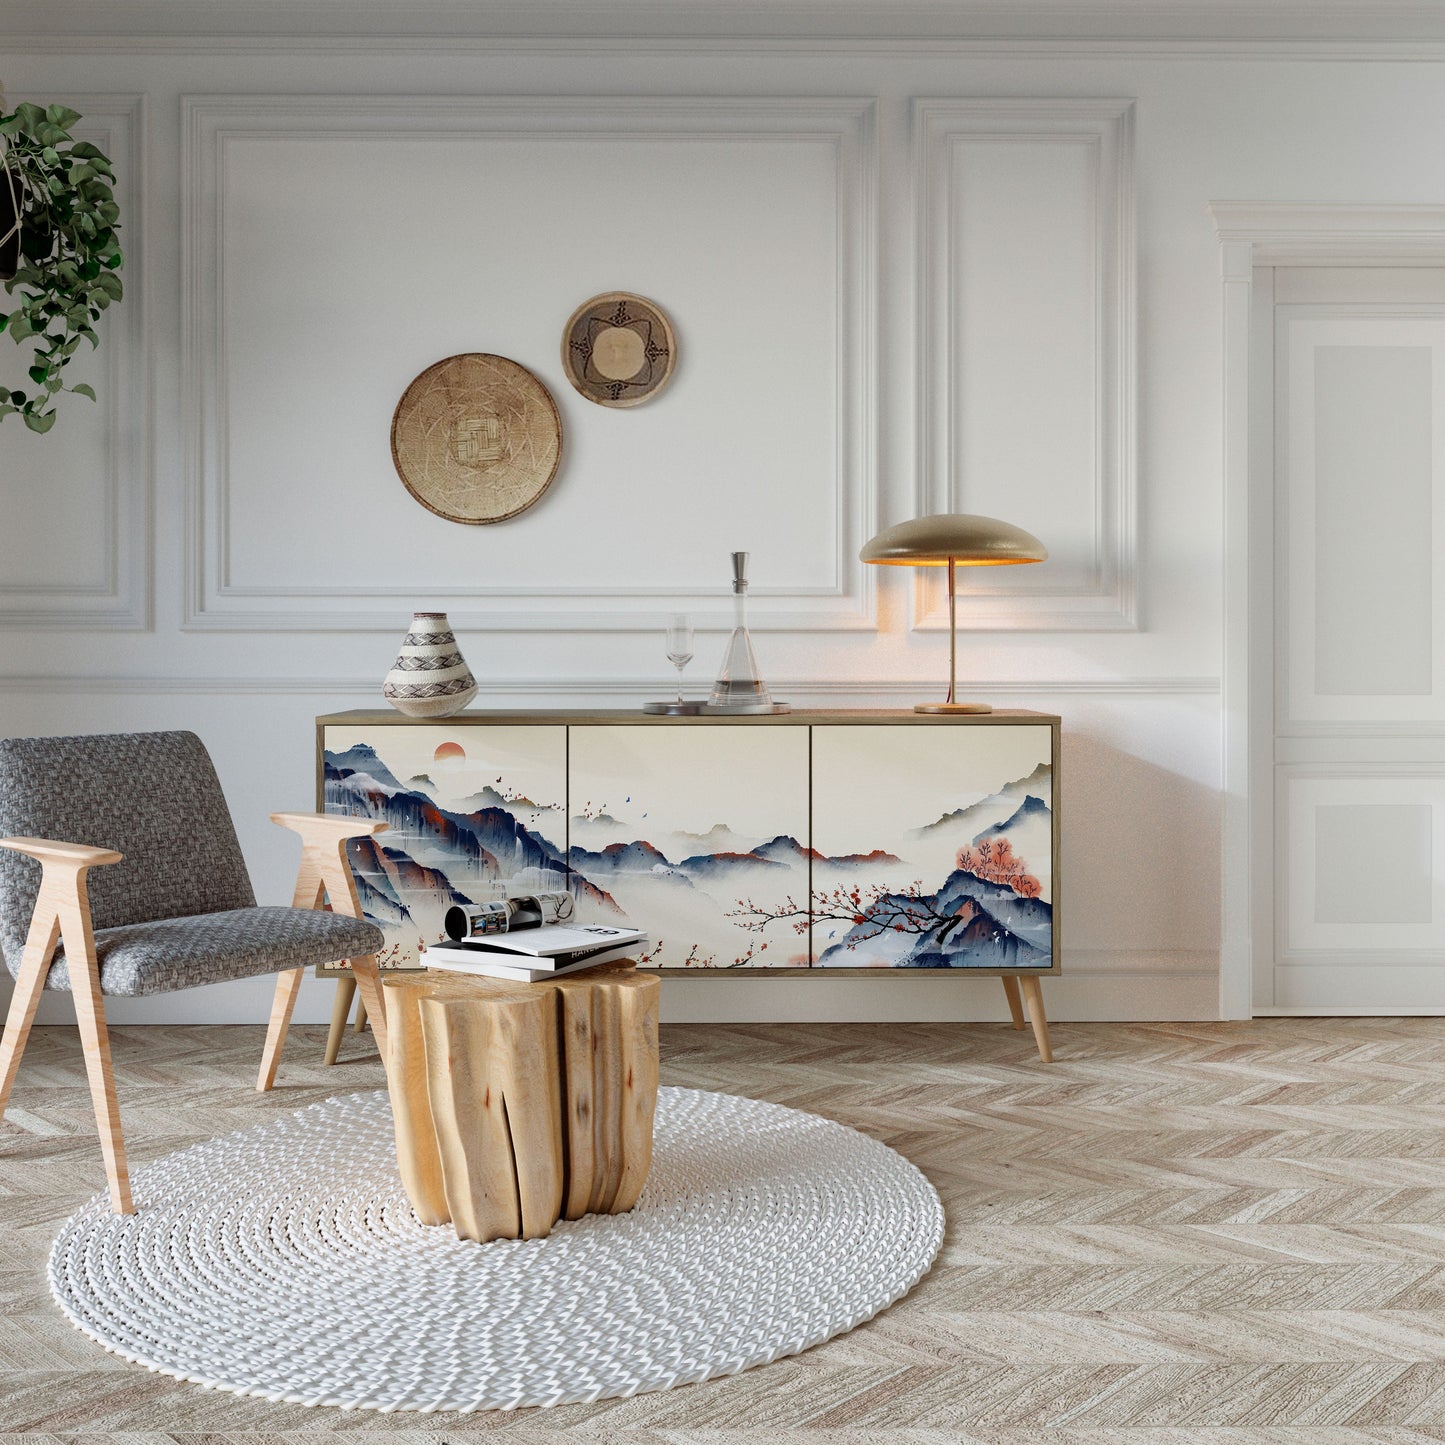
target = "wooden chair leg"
x: 360, y: 1024
x: 368, y: 983
x: 1015, y: 1003
x: 95, y: 1043
x: 340, y: 1011
x: 34, y: 965
x: 283, y: 1004
x: 1034, y: 993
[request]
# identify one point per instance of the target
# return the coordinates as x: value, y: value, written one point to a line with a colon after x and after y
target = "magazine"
x: 508, y: 915
x: 552, y: 941
x: 518, y: 968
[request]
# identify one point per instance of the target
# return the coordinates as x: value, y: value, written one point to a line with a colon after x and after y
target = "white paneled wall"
x: 919, y: 277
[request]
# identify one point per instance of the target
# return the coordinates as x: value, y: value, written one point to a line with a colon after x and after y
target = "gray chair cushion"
x: 137, y: 958
x: 154, y: 797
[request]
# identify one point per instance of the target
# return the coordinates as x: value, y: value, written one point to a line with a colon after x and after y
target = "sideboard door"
x: 474, y: 812
x: 933, y: 846
x: 697, y: 834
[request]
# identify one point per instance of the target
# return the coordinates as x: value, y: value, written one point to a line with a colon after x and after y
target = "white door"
x: 1357, y: 866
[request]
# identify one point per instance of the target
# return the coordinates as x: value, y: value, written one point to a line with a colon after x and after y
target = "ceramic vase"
x: 430, y: 677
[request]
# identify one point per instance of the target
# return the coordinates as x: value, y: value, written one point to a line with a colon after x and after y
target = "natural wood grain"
x: 418, y: 1159
x: 1034, y: 996
x: 283, y: 1003
x: 1015, y: 1003
x: 1177, y: 1234
x: 362, y: 717
x: 609, y: 1033
x: 325, y: 876
x: 62, y: 913
x: 530, y: 1102
x: 493, y: 1087
x: 340, y: 1011
x: 323, y: 841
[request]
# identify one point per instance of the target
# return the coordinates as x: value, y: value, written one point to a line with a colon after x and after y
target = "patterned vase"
x: 429, y: 678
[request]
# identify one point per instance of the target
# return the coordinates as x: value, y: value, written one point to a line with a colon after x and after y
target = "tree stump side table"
x: 519, y: 1104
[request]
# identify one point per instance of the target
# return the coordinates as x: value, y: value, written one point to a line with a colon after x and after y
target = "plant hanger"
x: 9, y: 209
x: 59, y: 218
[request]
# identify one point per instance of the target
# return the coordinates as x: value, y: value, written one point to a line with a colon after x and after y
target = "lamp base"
x: 952, y: 707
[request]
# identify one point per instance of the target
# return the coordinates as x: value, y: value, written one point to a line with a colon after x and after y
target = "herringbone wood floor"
x: 1187, y: 1233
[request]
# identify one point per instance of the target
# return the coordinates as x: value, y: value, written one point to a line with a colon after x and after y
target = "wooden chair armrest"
x: 71, y: 855
x: 327, y: 827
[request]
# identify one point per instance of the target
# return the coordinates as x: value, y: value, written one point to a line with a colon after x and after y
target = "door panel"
x: 696, y: 834
x: 472, y: 813
x: 933, y: 847
x: 1359, y: 795
x: 1363, y: 501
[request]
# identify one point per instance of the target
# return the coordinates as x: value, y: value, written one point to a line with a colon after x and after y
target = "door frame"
x: 1257, y: 234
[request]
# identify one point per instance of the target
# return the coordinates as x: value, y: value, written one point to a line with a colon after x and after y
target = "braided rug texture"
x: 285, y: 1262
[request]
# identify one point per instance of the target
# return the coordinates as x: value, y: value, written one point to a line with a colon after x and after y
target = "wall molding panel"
x: 120, y: 599
x: 588, y: 687
x: 1049, y: 183
x: 218, y: 599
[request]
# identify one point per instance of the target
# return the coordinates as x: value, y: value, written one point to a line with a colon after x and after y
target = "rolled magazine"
x: 507, y: 915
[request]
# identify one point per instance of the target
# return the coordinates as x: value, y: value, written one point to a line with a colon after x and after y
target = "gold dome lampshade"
x: 952, y: 540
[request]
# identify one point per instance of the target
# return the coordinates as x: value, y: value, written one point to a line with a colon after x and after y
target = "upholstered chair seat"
x: 141, y: 958
x: 121, y: 874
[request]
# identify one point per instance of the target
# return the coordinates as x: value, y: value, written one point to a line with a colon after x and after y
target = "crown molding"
x: 904, y: 22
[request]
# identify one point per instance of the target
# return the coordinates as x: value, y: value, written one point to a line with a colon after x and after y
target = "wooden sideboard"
x: 881, y: 843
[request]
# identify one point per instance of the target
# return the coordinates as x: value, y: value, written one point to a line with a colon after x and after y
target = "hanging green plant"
x: 60, y: 191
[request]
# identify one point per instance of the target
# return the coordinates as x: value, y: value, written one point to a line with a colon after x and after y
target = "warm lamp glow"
x: 953, y: 539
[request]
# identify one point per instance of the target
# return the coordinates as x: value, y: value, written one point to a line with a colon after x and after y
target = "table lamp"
x: 954, y: 539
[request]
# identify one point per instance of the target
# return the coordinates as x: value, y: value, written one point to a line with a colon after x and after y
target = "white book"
x: 552, y: 940
x: 517, y: 968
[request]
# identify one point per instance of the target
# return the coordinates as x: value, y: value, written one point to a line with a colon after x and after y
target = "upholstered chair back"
x: 154, y: 797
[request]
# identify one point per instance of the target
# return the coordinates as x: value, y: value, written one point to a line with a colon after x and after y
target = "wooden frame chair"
x: 154, y: 924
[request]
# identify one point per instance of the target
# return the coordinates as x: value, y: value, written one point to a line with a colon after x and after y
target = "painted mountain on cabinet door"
x: 989, y: 911
x: 432, y: 857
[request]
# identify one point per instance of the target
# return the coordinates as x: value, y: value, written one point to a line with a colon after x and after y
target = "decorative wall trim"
x: 98, y: 42
x: 370, y: 687
x: 1322, y: 233
x: 1170, y: 26
x: 121, y: 600
x: 846, y: 126
x: 940, y: 128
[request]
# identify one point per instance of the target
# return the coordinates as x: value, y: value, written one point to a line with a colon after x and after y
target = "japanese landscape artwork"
x: 733, y: 847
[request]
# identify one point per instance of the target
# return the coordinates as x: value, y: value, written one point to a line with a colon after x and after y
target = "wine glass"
x: 679, y: 646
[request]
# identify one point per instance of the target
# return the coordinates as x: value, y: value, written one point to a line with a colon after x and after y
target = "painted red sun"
x: 449, y: 752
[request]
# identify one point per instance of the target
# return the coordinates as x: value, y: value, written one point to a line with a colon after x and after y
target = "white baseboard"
x: 1095, y: 986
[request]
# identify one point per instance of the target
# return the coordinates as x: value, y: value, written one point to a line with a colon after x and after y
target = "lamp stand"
x: 951, y: 705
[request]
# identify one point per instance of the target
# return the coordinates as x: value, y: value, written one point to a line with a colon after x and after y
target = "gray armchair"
x: 170, y: 904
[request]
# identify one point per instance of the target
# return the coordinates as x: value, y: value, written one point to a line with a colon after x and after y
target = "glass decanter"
x: 739, y: 687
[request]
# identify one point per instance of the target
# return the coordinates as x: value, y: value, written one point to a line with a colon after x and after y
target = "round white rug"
x: 285, y: 1262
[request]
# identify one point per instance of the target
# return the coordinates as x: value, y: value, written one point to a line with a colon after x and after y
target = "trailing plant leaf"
x: 69, y: 248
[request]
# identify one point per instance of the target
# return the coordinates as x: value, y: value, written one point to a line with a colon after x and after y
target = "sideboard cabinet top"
x: 365, y: 716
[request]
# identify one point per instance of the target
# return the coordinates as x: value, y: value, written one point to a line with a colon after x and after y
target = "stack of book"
x: 528, y: 954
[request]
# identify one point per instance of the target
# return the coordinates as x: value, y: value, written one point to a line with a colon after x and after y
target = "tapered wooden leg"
x: 368, y: 983
x: 340, y: 1010
x: 34, y: 965
x: 1015, y: 1003
x: 283, y: 1002
x: 1035, y: 996
x: 95, y: 1043
x: 360, y: 1025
